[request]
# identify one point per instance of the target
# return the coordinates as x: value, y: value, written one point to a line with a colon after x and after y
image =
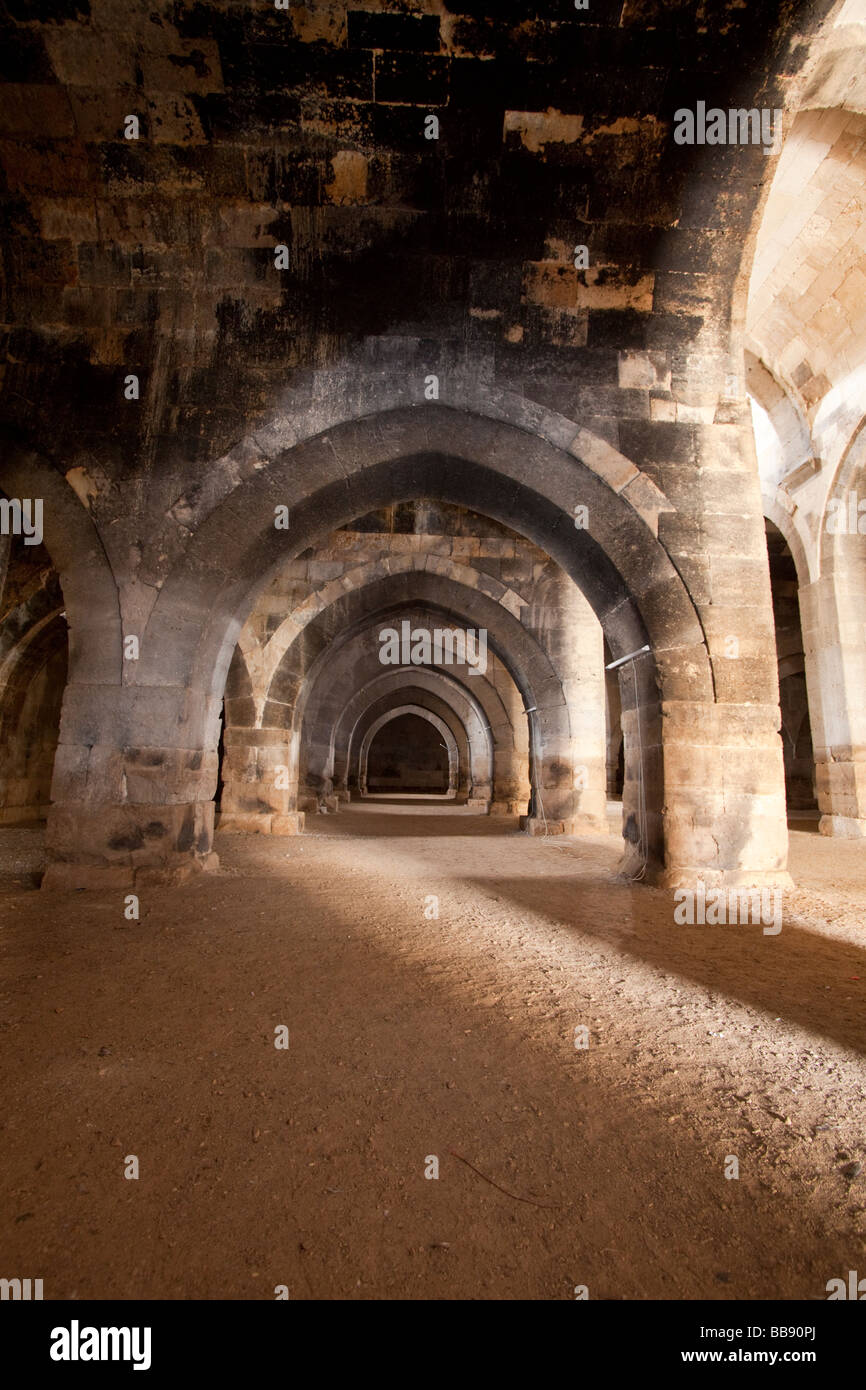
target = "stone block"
x: 534, y: 825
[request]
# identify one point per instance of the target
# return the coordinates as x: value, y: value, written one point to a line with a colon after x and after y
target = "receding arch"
x: 839, y: 547
x: 357, y: 662
x: 348, y: 776
x: 523, y: 656
x: 618, y: 563
x: 419, y: 712
x: 775, y: 511
x: 360, y: 577
x: 494, y: 744
x: 317, y: 652
x: 32, y: 681
x: 836, y: 651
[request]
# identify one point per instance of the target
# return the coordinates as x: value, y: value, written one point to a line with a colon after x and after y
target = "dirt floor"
x: 412, y: 1037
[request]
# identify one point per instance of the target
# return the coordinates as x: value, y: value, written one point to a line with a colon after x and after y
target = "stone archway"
x: 698, y: 731
x: 791, y: 656
x: 495, y: 693
x: 421, y: 713
x: 307, y: 687
x: 496, y: 755
x: 90, y: 595
x: 349, y: 779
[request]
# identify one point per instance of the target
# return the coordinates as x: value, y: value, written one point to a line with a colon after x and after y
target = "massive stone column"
x: 569, y: 775
x: 134, y: 778
x: 831, y: 611
x: 721, y: 753
x: 260, y: 754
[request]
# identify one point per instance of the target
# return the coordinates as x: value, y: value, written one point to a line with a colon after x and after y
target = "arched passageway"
x: 470, y: 753
x: 619, y: 565
x: 409, y: 750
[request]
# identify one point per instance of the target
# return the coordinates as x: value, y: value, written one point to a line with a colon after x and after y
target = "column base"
x: 843, y: 827
x: 74, y: 878
x: 631, y: 868
x: 588, y: 825
x: 691, y: 879
x: 128, y: 845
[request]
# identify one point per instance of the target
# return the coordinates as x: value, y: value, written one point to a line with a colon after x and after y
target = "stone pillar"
x: 509, y: 792
x: 316, y: 778
x: 260, y: 779
x: 130, y: 807
x: 568, y: 729
x: 831, y: 613
x: 721, y: 751
x: 505, y: 797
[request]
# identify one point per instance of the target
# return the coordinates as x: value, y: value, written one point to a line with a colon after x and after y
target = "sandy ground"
x: 412, y: 1037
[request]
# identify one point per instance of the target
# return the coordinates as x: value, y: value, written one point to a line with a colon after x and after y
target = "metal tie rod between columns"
x: 612, y: 665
